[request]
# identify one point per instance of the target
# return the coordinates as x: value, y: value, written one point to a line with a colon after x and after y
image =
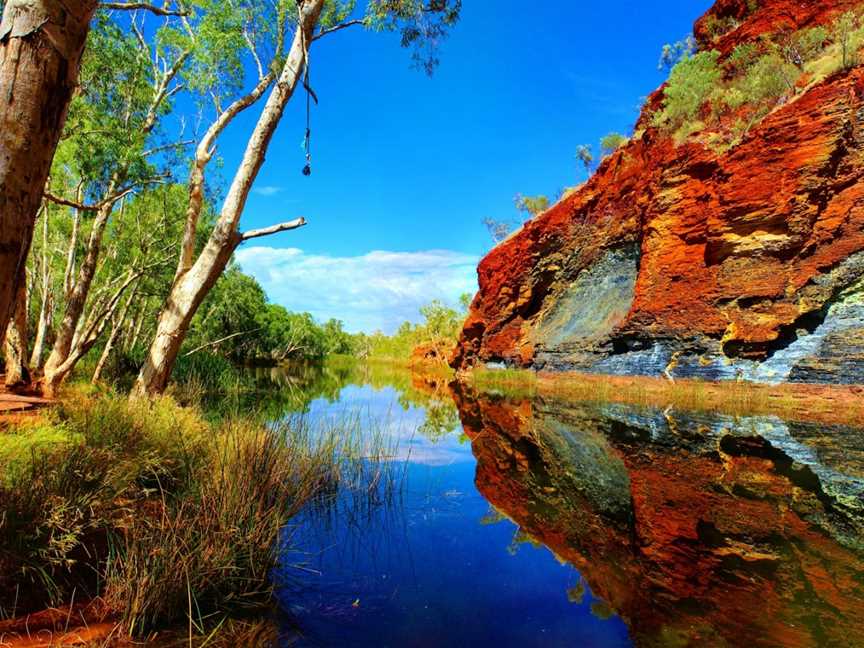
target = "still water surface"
x: 536, y: 522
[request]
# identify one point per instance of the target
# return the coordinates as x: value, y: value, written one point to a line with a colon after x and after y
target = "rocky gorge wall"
x: 692, y: 261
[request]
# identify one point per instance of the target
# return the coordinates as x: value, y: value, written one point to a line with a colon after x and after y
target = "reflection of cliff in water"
x: 697, y: 530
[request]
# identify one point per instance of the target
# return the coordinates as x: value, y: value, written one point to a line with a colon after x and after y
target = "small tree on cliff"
x: 531, y: 205
x: 585, y: 157
x: 611, y: 143
x: 848, y: 36
x: 690, y: 85
x: 422, y: 24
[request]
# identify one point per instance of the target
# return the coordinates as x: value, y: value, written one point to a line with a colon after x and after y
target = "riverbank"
x: 828, y: 404
x: 137, y: 518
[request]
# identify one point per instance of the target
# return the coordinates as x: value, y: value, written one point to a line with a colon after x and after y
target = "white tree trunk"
x: 17, y: 373
x: 116, y: 328
x: 77, y: 297
x: 46, y: 308
x: 190, y: 287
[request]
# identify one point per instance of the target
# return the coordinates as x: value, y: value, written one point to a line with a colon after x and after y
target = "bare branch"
x: 339, y: 27
x: 146, y: 6
x: 110, y: 199
x: 219, y: 341
x: 166, y: 147
x: 275, y: 229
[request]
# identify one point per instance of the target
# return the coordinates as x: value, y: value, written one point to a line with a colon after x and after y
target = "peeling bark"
x: 41, y: 43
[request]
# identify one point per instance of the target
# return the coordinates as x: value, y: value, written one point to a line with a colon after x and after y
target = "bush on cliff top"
x: 692, y: 82
x: 703, y: 94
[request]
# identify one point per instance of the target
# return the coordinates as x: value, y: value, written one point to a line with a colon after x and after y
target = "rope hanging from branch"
x: 310, y: 96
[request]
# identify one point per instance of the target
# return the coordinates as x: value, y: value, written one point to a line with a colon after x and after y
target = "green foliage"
x: 805, y: 45
x: 440, y: 327
x: 767, y: 79
x: 421, y: 24
x: 612, y: 142
x: 104, y: 134
x: 848, y: 35
x: 692, y: 82
x: 742, y: 57
x: 717, y: 26
x: 531, y: 205
x: 236, y: 322
x: 759, y: 75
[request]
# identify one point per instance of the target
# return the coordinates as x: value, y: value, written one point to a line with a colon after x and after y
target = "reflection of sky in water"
x: 379, y: 409
x: 440, y: 568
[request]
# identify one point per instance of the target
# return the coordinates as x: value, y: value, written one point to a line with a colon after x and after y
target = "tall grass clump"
x: 164, y: 516
x: 210, y: 550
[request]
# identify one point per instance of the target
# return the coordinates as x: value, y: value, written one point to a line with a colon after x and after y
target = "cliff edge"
x: 731, y: 248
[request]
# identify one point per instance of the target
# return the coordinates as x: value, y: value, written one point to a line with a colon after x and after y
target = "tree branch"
x: 146, y: 6
x: 59, y: 200
x: 275, y: 229
x: 339, y: 27
x: 219, y: 341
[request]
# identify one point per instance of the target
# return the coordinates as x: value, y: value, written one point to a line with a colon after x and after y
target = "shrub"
x: 742, y: 57
x: 717, y: 27
x: 768, y: 79
x: 848, y: 36
x: 806, y: 44
x: 70, y: 481
x: 212, y: 550
x: 612, y: 142
x: 531, y: 205
x: 52, y: 510
x: 691, y: 84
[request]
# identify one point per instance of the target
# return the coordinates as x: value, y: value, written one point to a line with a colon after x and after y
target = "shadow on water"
x: 543, y: 522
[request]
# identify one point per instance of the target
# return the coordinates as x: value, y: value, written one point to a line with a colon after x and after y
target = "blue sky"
x: 405, y: 167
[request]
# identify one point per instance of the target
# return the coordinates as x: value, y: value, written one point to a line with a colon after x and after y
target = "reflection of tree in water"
x: 290, y: 389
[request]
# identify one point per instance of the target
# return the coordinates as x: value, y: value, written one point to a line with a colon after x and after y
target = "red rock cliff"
x: 689, y: 261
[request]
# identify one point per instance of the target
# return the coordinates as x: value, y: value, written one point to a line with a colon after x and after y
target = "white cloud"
x: 267, y: 190
x: 378, y: 290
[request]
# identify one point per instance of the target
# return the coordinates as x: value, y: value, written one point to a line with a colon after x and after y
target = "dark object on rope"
x: 310, y: 95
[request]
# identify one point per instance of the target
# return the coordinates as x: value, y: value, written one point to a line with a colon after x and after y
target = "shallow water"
x: 547, y: 523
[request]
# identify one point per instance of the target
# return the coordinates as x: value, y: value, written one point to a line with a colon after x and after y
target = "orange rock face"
x: 697, y: 262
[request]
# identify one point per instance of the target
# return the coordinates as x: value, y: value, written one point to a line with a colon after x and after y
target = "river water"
x: 536, y: 522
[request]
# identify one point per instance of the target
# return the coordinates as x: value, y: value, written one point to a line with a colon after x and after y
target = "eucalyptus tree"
x: 107, y: 154
x: 41, y: 44
x: 15, y: 346
x: 276, y: 37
